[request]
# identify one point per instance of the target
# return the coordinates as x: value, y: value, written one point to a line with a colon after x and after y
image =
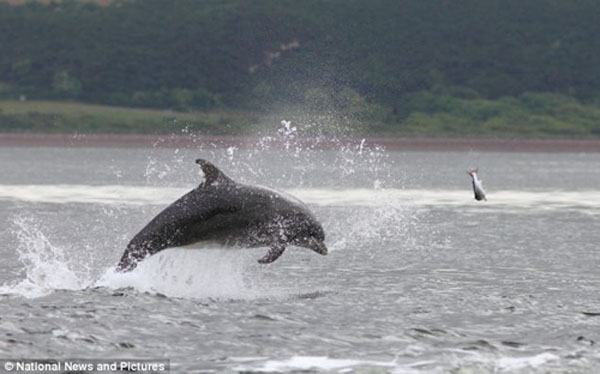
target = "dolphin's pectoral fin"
x: 274, y: 253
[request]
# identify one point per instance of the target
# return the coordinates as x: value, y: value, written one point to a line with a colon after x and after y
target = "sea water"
x: 420, y: 277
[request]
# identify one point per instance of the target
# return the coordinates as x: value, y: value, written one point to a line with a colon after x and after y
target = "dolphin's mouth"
x: 317, y: 246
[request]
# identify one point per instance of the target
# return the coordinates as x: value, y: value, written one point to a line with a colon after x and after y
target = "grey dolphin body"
x: 477, y: 184
x: 230, y: 214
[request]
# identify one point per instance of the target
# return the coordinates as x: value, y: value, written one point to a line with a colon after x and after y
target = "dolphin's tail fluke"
x: 472, y: 171
x: 131, y: 257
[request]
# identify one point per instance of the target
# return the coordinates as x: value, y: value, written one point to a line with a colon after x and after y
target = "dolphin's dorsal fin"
x: 212, y: 174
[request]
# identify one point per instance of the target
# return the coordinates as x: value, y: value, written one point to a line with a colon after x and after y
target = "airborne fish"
x: 477, y: 185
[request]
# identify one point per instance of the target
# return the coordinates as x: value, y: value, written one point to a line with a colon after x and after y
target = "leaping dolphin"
x: 477, y: 185
x: 229, y: 214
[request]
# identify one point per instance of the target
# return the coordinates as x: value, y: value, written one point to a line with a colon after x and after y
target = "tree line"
x: 377, y: 59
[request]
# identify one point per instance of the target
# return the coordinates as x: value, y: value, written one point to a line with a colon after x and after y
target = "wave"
x: 144, y: 195
x: 461, y: 361
x: 90, y: 194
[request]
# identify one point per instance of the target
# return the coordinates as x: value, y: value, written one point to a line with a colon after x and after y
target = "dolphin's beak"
x: 317, y: 246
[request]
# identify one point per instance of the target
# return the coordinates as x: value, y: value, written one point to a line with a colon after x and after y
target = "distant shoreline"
x: 396, y: 144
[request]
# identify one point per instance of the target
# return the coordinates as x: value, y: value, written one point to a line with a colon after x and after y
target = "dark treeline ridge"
x: 396, y: 62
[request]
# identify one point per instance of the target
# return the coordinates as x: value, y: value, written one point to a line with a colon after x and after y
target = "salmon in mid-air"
x: 477, y: 185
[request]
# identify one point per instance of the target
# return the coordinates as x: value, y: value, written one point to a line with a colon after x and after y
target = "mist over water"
x: 420, y: 277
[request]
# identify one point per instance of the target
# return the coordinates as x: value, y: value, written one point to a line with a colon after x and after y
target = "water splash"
x: 301, y: 150
x: 222, y: 274
x: 199, y: 274
x: 45, y: 266
x: 318, y: 152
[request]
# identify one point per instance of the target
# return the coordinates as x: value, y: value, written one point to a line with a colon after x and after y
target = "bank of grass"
x: 424, y: 114
x: 69, y: 117
x: 533, y: 115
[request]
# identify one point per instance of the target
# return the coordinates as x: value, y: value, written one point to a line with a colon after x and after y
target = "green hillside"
x: 436, y: 67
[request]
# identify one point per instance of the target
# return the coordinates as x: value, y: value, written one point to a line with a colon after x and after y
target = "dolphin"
x: 477, y: 185
x: 230, y: 214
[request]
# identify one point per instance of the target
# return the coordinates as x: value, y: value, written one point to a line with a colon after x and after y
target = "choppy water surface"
x: 420, y: 278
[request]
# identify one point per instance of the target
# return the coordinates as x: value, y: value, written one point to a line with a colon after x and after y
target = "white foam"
x: 471, y: 363
x: 315, y: 363
x: 197, y: 274
x: 73, y: 193
x: 201, y: 274
x: 188, y: 273
x: 143, y: 195
x: 509, y: 364
x: 501, y: 364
